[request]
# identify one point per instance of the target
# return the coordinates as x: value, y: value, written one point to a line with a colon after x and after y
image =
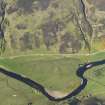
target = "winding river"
x: 35, y: 85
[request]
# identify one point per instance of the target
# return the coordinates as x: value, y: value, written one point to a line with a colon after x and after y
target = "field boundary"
x: 77, y: 54
x: 66, y: 55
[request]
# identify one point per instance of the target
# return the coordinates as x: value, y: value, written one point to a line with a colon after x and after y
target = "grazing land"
x: 56, y: 73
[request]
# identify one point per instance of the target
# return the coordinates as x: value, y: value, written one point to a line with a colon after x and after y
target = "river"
x: 35, y: 85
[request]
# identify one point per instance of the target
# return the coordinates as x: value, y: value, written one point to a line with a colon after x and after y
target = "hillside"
x: 57, y: 26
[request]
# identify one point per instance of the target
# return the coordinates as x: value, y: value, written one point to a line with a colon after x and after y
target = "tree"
x: 37, y: 40
x: 69, y: 44
x: 49, y: 33
x: 25, y: 5
x: 13, y: 41
x: 26, y: 41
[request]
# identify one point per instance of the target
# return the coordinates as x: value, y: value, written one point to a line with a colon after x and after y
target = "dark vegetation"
x: 50, y: 33
x: 87, y: 101
x: 26, y: 41
x: 99, y: 4
x: 25, y: 5
x: 93, y: 101
x: 37, y: 40
x: 12, y: 9
x: 69, y: 42
x: 21, y: 26
x: 3, y: 23
x: 13, y: 41
x: 28, y: 5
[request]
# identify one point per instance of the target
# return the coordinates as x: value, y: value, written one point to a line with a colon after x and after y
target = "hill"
x: 54, y: 26
x: 47, y: 27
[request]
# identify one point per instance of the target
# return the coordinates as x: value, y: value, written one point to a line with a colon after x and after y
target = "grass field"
x: 56, y: 73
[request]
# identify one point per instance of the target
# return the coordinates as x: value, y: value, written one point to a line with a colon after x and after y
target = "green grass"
x: 54, y: 72
x: 48, y: 71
